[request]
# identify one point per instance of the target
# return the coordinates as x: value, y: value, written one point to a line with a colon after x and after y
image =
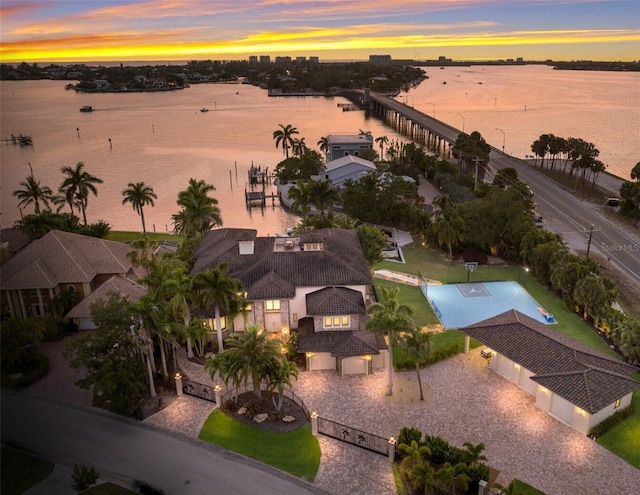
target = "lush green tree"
x: 217, y: 291
x: 18, y: 339
x: 139, y: 195
x: 80, y: 183
x: 418, y: 346
x: 199, y: 213
x: 630, y: 195
x: 108, y: 358
x: 298, y: 147
x: 299, y: 194
x: 448, y: 226
x: 591, y: 294
x: 182, y: 296
x: 543, y: 258
x: 471, y: 147
x: 284, y: 137
x: 505, y: 177
x: 635, y: 172
x: 474, y: 455
x: 249, y: 355
x: 32, y: 193
x: 390, y: 318
x: 628, y: 336
x: 300, y: 167
x: 372, y: 240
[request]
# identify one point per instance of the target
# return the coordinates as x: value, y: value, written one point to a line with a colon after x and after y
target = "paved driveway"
x: 470, y: 403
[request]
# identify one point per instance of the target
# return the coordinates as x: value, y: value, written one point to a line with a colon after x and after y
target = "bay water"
x: 164, y: 139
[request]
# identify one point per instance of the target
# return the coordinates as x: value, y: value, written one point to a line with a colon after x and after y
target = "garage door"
x: 322, y: 361
x: 354, y: 366
x: 526, y: 383
x: 561, y: 409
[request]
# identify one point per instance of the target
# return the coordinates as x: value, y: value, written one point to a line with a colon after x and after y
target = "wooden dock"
x: 259, y: 197
x: 20, y: 139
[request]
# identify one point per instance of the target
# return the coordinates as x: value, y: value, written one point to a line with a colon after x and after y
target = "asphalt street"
x: 124, y: 450
x: 618, y: 246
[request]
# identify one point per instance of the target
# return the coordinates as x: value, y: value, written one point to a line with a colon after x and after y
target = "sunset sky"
x: 155, y: 30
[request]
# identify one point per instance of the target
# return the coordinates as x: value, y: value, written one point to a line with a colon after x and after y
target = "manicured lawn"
x: 624, y: 439
x: 411, y: 295
x: 521, y: 488
x: 124, y: 236
x: 296, y: 452
x: 21, y: 471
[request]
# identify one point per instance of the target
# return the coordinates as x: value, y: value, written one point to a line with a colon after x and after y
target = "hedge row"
x: 613, y: 420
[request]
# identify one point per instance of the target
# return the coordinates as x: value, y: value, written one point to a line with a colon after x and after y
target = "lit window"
x: 617, y: 404
x: 223, y: 323
x: 272, y: 305
x: 337, y: 321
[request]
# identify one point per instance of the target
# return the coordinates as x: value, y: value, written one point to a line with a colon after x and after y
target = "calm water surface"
x: 163, y: 139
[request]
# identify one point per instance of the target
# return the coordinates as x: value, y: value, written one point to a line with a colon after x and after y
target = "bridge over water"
x: 420, y: 127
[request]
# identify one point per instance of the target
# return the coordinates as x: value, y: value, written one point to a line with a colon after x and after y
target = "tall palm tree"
x: 284, y: 137
x: 298, y: 147
x: 254, y: 352
x: 180, y: 289
x: 139, y: 195
x: 323, y: 143
x: 218, y: 291
x: 390, y: 318
x: 80, y: 183
x: 382, y: 141
x: 448, y: 225
x: 33, y: 193
x: 418, y: 345
x: 199, y: 213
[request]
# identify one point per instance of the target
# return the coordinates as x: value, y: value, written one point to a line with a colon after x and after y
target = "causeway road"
x: 619, y: 246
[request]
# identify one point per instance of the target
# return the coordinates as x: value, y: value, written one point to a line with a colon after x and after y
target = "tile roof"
x: 128, y: 288
x: 341, y: 262
x: 342, y: 343
x: 62, y: 257
x: 335, y: 301
x: 580, y: 374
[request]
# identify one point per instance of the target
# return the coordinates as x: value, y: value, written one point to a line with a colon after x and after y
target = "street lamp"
x: 503, y: 137
x: 434, y: 109
x: 460, y: 115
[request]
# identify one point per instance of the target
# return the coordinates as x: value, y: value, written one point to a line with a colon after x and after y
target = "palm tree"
x: 139, y: 195
x: 322, y: 194
x: 215, y: 289
x: 180, y: 288
x: 418, y: 345
x: 299, y: 194
x: 323, y: 143
x: 448, y: 226
x: 33, y: 193
x: 474, y: 453
x: 298, y: 147
x: 284, y: 137
x: 250, y: 354
x: 382, y: 141
x: 278, y: 374
x: 80, y: 183
x: 200, y: 213
x: 416, y: 455
x: 390, y: 318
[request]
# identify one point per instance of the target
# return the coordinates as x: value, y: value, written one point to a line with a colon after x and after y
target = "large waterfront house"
x: 571, y: 381
x: 341, y: 145
x: 57, y: 262
x: 316, y: 283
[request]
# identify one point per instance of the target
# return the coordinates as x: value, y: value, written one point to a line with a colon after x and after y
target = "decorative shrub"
x: 34, y: 367
x: 407, y: 435
x: 613, y: 420
x: 83, y: 477
x: 404, y: 363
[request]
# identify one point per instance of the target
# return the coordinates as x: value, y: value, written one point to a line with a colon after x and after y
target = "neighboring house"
x: 316, y: 283
x: 12, y: 241
x: 571, y: 381
x: 56, y: 262
x: 101, y: 83
x: 81, y: 314
x: 341, y: 145
x: 346, y: 167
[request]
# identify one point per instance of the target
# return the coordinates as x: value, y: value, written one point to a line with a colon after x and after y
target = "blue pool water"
x: 460, y: 305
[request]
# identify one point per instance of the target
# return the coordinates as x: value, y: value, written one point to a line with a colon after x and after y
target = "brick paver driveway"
x: 470, y: 403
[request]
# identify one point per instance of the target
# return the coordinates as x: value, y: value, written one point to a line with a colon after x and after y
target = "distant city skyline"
x: 165, y: 30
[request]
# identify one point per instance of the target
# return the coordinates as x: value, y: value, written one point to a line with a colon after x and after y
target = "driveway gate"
x: 353, y: 436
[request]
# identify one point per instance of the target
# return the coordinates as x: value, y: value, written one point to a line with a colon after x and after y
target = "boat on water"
x: 86, y: 108
x: 204, y: 109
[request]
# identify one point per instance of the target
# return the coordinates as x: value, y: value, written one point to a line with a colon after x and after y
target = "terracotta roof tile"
x: 335, y: 301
